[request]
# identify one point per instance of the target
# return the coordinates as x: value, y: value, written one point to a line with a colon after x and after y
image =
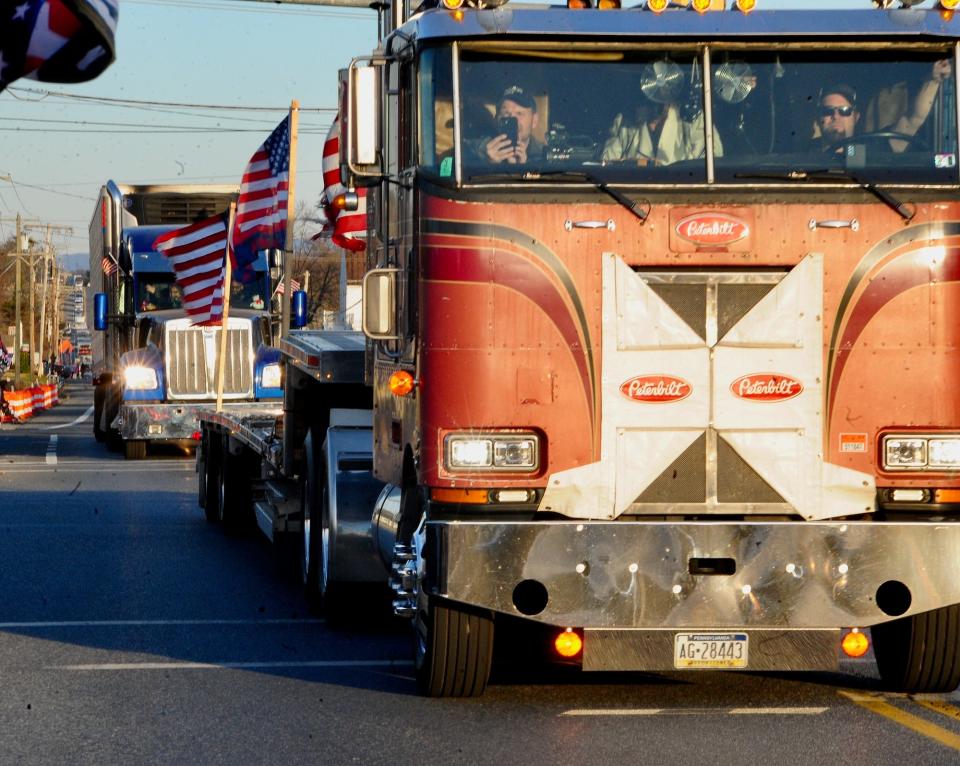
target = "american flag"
x: 197, y: 254
x: 294, y: 284
x: 261, y: 222
x: 56, y: 40
x: 107, y: 265
x: 347, y: 228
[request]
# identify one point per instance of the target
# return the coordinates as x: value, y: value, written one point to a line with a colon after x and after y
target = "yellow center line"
x: 921, y: 726
x: 941, y: 707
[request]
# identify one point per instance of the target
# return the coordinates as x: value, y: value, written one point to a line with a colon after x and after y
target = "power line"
x: 179, y: 104
x: 303, y: 11
x: 266, y: 126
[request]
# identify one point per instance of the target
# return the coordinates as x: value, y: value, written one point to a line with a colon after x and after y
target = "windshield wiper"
x: 641, y: 209
x: 827, y: 174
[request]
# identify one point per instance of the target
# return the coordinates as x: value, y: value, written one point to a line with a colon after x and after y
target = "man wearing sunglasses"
x: 838, y: 115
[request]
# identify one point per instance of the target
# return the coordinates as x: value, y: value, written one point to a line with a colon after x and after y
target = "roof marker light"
x: 950, y: 5
x: 452, y: 5
x: 701, y: 6
x: 745, y: 6
x: 657, y: 6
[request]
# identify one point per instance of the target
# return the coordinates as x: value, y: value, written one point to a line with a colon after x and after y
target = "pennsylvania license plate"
x: 715, y: 651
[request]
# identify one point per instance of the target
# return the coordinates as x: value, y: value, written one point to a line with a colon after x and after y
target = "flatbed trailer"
x: 302, y: 471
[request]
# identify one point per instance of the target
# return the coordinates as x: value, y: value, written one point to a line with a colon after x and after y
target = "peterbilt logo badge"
x: 712, y: 229
x: 766, y: 387
x: 656, y: 389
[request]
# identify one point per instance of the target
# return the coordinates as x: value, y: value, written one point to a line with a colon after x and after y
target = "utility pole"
x: 17, y: 339
x: 33, y: 296
x: 47, y: 252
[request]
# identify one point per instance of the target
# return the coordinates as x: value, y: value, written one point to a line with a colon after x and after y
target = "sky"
x: 218, y: 53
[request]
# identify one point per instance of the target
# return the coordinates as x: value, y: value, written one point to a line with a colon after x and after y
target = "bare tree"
x: 320, y: 259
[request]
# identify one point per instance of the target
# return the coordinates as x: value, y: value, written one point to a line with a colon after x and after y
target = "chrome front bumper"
x: 162, y: 421
x: 808, y: 576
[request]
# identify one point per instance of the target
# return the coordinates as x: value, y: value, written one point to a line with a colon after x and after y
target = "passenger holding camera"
x: 516, y: 120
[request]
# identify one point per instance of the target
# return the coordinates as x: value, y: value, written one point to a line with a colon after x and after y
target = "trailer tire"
x: 135, y: 449
x: 332, y: 598
x: 920, y: 654
x: 233, y: 491
x: 312, y: 565
x: 98, y: 396
x: 211, y: 477
x: 454, y: 649
x: 201, y: 469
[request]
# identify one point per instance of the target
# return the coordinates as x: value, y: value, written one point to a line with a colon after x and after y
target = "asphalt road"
x: 133, y: 632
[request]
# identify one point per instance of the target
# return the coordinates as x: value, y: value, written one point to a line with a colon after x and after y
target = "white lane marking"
x: 778, y: 710
x: 83, y: 417
x: 233, y: 665
x: 98, y: 467
x: 695, y: 711
x: 151, y: 623
x: 52, y: 450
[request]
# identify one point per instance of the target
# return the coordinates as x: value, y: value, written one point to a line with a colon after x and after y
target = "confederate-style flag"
x: 56, y: 40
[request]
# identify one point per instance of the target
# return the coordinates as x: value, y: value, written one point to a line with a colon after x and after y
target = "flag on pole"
x: 294, y: 285
x: 197, y: 255
x: 108, y: 265
x: 261, y: 222
x: 347, y: 228
x: 56, y: 40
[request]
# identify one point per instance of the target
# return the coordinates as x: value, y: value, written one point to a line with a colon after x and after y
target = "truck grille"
x: 191, y: 374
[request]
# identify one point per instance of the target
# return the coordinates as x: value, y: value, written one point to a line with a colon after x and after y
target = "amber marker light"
x: 452, y: 5
x: 701, y: 6
x: 745, y: 6
x: 449, y: 495
x: 855, y: 643
x: 401, y: 383
x: 658, y: 6
x: 568, y: 644
x: 950, y: 5
x: 608, y: 5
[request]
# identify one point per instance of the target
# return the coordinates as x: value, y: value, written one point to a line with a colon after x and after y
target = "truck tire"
x: 234, y: 506
x: 211, y: 476
x: 135, y: 449
x: 920, y: 654
x: 311, y: 552
x: 323, y: 594
x: 201, y: 469
x: 98, y: 396
x: 454, y: 649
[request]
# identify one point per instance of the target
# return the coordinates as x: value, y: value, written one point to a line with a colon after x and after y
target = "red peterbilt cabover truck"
x: 663, y: 345
x: 675, y: 375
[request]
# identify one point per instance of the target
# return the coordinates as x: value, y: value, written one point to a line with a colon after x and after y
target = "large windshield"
x: 638, y: 116
x: 156, y: 292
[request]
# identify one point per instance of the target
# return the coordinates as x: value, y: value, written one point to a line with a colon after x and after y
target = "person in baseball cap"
x: 515, y: 103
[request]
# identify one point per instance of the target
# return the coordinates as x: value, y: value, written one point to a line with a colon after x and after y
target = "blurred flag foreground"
x: 56, y: 40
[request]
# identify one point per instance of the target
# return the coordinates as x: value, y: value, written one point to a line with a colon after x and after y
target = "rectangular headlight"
x: 137, y: 378
x: 270, y: 377
x: 943, y: 453
x: 492, y: 452
x: 921, y: 452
